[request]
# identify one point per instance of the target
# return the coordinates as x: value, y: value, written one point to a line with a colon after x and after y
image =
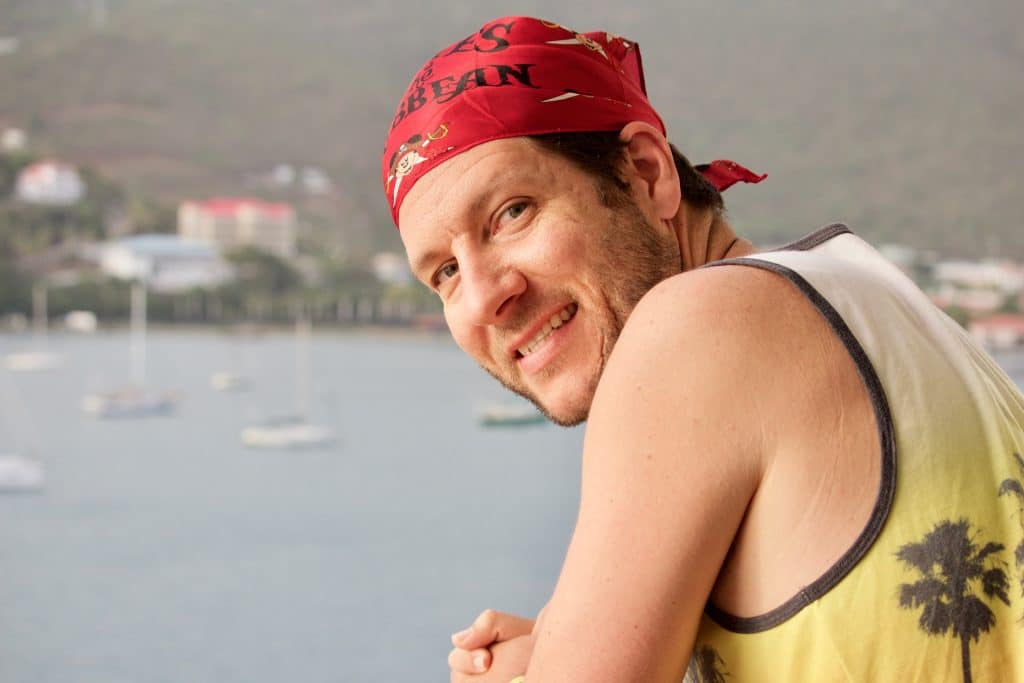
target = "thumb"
x: 492, y: 627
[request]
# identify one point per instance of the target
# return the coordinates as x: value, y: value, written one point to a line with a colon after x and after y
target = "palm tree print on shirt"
x: 1015, y: 487
x: 950, y: 562
x: 704, y: 666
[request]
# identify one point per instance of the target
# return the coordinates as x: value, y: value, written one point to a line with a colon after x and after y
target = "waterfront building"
x: 234, y: 222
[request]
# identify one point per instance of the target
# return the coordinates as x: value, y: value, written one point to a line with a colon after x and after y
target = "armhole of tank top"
x: 887, y: 441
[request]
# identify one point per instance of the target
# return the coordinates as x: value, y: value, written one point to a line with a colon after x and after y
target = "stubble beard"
x: 635, y: 257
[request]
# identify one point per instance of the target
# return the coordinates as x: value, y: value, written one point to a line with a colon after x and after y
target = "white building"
x: 231, y: 223
x: 165, y: 262
x: 391, y: 268
x: 1004, y: 276
x: 976, y: 301
x: 315, y: 180
x: 13, y: 140
x: 49, y: 182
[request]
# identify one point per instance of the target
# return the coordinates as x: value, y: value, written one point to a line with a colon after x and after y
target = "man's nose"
x: 489, y: 290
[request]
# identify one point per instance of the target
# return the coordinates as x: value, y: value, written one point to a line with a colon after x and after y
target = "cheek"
x: 561, y: 249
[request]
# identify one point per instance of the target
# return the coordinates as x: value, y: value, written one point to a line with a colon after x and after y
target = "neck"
x: 705, y: 236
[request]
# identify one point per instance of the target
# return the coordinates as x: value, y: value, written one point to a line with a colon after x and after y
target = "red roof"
x: 230, y: 206
x: 1000, y: 321
x: 42, y: 167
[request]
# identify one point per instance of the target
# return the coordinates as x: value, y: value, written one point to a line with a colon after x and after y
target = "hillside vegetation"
x: 901, y: 118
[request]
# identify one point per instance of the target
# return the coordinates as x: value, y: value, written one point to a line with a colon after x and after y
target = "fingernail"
x: 461, y: 635
x: 478, y: 662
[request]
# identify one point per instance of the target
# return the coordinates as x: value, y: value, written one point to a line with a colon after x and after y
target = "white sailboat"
x: 133, y: 400
x: 38, y: 358
x: 508, y: 415
x: 21, y: 473
x: 225, y: 380
x: 232, y: 380
x: 21, y: 470
x: 293, y: 431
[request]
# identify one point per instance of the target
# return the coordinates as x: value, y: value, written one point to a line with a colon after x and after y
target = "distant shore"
x: 252, y: 329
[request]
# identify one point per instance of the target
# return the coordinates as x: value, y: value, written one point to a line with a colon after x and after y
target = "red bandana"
x: 515, y: 77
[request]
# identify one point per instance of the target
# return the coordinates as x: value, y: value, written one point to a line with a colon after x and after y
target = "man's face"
x: 537, y: 275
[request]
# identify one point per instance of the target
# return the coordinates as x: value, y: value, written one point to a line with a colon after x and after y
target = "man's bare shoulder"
x: 730, y: 346
x: 728, y: 319
x: 727, y: 297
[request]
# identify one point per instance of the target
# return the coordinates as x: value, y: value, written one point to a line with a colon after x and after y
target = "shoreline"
x: 246, y: 329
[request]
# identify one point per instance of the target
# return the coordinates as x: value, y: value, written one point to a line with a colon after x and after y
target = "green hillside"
x: 901, y: 118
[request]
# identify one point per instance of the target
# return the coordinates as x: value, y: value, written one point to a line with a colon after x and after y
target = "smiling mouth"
x: 552, y: 324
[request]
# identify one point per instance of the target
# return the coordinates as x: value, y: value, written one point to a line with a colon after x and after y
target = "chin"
x: 567, y: 418
x: 569, y: 409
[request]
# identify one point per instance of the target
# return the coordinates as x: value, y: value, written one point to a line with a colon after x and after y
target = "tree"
x: 950, y: 561
x: 1015, y: 487
x: 263, y: 272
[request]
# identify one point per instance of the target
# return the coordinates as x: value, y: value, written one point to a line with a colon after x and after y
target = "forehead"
x: 460, y: 184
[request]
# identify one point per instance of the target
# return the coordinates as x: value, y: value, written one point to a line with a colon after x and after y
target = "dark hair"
x: 600, y: 154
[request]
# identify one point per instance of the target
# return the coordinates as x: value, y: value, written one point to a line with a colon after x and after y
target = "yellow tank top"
x: 932, y: 588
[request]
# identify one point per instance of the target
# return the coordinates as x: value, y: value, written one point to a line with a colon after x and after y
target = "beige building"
x: 231, y: 223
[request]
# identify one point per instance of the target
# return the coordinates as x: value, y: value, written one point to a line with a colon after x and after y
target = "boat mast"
x: 303, y: 328
x: 138, y: 333
x: 39, y: 314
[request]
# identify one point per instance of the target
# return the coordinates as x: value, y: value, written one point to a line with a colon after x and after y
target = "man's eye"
x: 516, y: 210
x: 445, y: 272
x: 511, y: 214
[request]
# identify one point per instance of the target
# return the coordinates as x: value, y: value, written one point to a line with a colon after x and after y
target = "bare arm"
x: 674, y: 451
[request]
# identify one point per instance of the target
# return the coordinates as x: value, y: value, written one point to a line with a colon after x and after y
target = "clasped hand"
x: 495, y: 648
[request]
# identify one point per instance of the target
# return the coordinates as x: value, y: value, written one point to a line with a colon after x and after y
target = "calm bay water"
x: 163, y: 550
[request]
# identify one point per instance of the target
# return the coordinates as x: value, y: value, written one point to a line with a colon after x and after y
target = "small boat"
x: 509, y: 415
x: 21, y: 468
x: 291, y: 432
x: 128, y: 402
x: 37, y: 359
x: 33, y: 361
x: 82, y: 322
x: 134, y: 399
x: 20, y: 474
x: 225, y: 380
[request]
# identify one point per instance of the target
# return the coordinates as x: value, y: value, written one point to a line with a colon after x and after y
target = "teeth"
x: 553, y: 323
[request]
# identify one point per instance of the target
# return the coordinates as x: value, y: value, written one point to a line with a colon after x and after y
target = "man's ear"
x: 651, y: 167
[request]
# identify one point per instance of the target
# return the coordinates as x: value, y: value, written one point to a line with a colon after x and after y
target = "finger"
x: 539, y: 620
x: 469, y: 661
x: 492, y: 627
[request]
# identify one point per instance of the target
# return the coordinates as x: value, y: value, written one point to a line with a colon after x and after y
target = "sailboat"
x: 20, y: 473
x: 226, y: 380
x: 133, y: 400
x: 39, y: 358
x: 21, y: 470
x: 231, y: 380
x: 292, y: 431
x: 508, y: 415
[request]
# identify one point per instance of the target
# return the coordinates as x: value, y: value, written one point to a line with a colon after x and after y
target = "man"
x: 793, y: 462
